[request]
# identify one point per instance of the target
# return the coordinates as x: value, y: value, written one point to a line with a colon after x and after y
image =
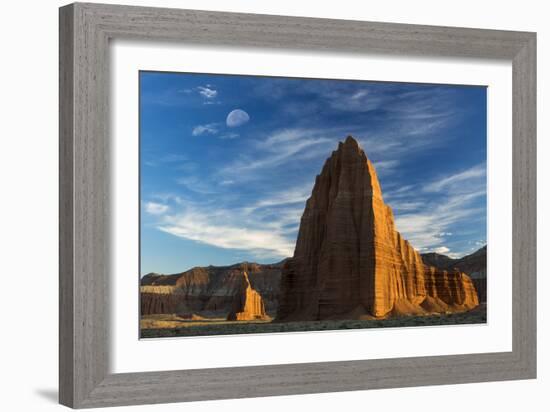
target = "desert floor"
x: 157, y: 326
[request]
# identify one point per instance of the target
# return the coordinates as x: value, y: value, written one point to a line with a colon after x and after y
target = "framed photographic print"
x: 256, y: 174
x: 236, y: 181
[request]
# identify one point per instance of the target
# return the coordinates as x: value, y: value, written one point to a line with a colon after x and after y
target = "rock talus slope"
x: 349, y: 260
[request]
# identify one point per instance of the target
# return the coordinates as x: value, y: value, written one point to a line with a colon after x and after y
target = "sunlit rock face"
x: 247, y: 303
x: 474, y: 265
x: 351, y: 263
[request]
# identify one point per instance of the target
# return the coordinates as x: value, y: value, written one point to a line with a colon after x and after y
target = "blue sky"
x: 227, y: 162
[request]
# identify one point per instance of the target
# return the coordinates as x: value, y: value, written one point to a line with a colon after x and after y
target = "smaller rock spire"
x: 247, y: 303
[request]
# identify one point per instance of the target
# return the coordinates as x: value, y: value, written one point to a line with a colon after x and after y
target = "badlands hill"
x: 211, y: 290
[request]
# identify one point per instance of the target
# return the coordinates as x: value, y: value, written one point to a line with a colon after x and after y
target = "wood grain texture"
x: 524, y: 207
x: 66, y: 228
x: 85, y: 31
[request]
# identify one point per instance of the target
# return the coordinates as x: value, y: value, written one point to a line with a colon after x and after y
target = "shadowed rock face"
x: 350, y: 262
x: 247, y: 303
x: 159, y: 299
x: 437, y: 259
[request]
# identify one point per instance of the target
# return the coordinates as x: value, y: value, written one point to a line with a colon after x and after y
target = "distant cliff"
x: 209, y: 290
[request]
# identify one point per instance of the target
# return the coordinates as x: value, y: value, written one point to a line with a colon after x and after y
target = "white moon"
x: 236, y: 118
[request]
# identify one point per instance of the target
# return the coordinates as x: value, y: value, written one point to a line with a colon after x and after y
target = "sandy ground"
x: 174, y: 321
x: 155, y: 326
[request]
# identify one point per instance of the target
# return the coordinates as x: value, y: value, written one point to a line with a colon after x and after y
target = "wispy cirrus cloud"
x: 385, y: 166
x: 279, y: 148
x: 401, y: 121
x: 208, y: 92
x: 229, y: 135
x: 265, y: 229
x: 198, y: 185
x: 166, y: 159
x: 423, y: 227
x: 189, y: 96
x: 216, y: 230
x: 297, y: 194
x: 426, y: 221
x: 477, y: 172
x: 155, y: 208
x: 202, y: 129
x: 213, y: 129
x: 398, y: 138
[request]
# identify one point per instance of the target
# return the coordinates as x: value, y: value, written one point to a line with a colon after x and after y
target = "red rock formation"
x: 350, y: 261
x: 247, y: 303
x: 456, y: 289
x: 474, y: 265
x: 208, y: 291
x: 158, y: 299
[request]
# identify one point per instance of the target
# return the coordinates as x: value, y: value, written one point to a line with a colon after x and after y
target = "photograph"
x: 278, y: 205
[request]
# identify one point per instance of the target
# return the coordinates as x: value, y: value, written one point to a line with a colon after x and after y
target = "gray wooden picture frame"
x: 85, y: 31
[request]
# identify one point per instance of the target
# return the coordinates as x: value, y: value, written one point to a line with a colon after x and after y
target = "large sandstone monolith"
x: 247, y: 303
x: 349, y: 260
